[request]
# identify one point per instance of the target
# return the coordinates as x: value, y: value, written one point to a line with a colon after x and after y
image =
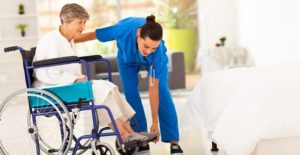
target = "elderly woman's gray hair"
x: 72, y: 11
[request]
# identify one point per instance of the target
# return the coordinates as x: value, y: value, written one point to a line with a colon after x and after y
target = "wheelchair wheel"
x: 104, y: 149
x: 83, y: 126
x: 47, y: 128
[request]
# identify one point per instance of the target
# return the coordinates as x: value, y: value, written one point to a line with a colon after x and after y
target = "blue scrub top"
x: 124, y: 32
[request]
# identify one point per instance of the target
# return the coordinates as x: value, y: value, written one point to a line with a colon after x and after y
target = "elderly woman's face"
x: 75, y: 27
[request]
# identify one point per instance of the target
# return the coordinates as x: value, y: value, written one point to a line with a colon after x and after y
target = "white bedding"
x: 242, y: 106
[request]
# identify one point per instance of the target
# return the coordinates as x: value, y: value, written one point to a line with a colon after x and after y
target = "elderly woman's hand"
x: 81, y: 79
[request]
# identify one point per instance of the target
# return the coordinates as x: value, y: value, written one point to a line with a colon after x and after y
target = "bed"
x: 250, y: 110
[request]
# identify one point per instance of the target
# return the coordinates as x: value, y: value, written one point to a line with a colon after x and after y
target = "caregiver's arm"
x: 154, y: 103
x: 85, y: 37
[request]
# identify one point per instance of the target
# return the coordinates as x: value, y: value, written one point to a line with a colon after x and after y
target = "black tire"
x: 104, y: 149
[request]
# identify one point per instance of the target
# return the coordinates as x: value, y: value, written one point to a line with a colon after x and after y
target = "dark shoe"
x: 144, y: 149
x: 176, y: 150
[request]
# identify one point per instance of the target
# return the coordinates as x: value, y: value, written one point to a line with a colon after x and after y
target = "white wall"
x: 269, y: 29
x: 217, y: 18
x: 11, y: 69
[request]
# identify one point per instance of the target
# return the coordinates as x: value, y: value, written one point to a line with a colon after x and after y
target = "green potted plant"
x: 22, y: 28
x: 179, y: 19
x: 222, y: 41
x: 21, y: 9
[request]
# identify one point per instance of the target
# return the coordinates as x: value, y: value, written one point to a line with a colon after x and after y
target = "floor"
x: 193, y: 141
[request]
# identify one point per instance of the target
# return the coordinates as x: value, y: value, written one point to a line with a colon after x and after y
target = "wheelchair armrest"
x: 99, y: 58
x: 12, y: 48
x: 56, y: 61
x: 91, y: 58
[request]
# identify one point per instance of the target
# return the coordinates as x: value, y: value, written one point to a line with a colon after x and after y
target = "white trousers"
x: 106, y: 93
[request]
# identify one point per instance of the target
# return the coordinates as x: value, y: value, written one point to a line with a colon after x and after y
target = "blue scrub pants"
x: 166, y: 112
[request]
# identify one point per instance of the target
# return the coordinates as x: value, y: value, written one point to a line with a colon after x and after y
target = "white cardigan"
x: 54, y: 45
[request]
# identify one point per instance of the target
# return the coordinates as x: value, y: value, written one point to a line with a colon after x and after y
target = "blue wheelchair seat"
x: 69, y: 93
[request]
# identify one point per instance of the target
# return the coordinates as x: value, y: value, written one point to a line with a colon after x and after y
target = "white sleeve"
x: 47, y: 48
x: 54, y: 76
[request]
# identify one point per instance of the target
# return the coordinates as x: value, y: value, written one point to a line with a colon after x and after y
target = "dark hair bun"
x: 150, y: 18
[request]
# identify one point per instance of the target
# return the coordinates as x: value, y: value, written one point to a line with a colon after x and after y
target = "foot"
x: 135, y: 140
x: 135, y: 137
x: 151, y: 135
x: 176, y: 150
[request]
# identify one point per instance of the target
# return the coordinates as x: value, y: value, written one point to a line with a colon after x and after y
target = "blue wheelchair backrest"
x: 28, y: 55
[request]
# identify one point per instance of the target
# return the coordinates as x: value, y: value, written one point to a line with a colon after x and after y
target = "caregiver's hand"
x: 154, y: 128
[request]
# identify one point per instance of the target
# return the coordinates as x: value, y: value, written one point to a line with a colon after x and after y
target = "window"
x: 102, y: 12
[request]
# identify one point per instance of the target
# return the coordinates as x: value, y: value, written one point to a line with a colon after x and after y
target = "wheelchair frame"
x: 83, y: 106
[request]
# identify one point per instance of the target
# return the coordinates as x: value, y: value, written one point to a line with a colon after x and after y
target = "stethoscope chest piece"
x: 143, y: 73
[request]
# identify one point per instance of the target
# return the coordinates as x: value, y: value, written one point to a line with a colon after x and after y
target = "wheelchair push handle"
x: 13, y: 48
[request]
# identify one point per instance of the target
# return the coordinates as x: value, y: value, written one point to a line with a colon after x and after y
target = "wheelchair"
x: 59, y: 119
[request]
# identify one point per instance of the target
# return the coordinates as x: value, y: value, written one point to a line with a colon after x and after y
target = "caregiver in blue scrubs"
x: 140, y: 45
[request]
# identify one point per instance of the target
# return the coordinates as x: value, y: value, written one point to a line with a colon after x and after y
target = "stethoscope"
x: 143, y: 73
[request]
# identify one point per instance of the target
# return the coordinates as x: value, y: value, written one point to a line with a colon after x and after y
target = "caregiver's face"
x: 147, y: 46
x: 75, y: 27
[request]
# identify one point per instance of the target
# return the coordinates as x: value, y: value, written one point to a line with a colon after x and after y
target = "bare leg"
x: 124, y: 133
x: 127, y: 126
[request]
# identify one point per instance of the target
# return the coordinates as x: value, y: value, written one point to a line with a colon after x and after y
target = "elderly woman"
x: 59, y: 43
